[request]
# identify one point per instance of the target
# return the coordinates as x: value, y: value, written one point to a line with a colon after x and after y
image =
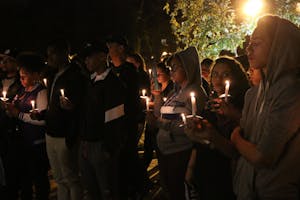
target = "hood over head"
x: 285, y: 50
x: 190, y: 61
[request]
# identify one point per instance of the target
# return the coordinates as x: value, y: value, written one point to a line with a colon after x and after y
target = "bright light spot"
x: 164, y: 53
x: 298, y: 7
x: 253, y: 7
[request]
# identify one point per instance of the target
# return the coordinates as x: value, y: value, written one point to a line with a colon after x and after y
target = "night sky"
x: 30, y: 24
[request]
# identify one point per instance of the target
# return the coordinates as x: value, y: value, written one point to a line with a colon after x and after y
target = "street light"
x: 253, y: 7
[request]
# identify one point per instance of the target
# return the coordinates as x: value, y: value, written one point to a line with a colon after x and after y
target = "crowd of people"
x: 219, y: 129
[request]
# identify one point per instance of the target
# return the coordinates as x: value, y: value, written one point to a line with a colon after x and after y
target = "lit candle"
x: 227, y: 85
x: 165, y: 99
x: 33, y: 104
x: 183, y: 118
x: 45, y: 81
x: 4, y: 94
x: 147, y: 103
x: 150, y: 72
x: 193, y: 100
x: 144, y: 93
x: 62, y: 92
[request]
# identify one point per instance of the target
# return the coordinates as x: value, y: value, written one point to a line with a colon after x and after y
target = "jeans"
x: 64, y: 165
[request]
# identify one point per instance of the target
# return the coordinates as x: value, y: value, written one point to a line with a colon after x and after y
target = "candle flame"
x: 144, y: 92
x: 4, y: 94
x: 62, y: 92
x: 192, y: 94
x: 183, y: 118
x: 45, y: 81
x: 32, y: 104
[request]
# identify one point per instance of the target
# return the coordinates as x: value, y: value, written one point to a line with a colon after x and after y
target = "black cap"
x: 117, y: 39
x: 93, y: 47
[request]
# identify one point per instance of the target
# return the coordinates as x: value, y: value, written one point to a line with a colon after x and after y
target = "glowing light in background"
x: 298, y: 7
x: 253, y: 7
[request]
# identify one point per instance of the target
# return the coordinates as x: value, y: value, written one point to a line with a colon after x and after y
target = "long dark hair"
x: 240, y: 83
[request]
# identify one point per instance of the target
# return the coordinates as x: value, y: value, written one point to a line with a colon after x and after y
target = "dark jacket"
x: 129, y: 77
x: 61, y: 122
x: 103, y: 113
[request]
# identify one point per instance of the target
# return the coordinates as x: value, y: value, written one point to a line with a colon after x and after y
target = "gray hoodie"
x: 171, y: 137
x: 271, y: 121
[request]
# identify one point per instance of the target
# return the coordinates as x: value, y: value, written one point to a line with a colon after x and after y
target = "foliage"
x: 288, y: 10
x: 209, y: 25
x: 212, y: 25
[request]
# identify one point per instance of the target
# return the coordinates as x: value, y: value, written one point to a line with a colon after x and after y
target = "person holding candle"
x: 227, y: 69
x: 174, y: 145
x: 33, y: 165
x: 211, y: 169
x: 158, y: 96
x: 9, y: 83
x: 268, y: 138
x: 144, y: 86
x: 62, y: 119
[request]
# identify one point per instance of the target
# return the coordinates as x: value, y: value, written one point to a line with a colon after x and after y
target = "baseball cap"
x: 93, y: 47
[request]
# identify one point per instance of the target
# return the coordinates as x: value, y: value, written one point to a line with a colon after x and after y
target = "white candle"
x: 45, y: 81
x: 4, y: 94
x: 62, y: 92
x: 144, y: 93
x: 147, y: 103
x: 227, y: 85
x: 193, y: 100
x: 33, y: 104
x: 183, y: 118
x: 150, y: 72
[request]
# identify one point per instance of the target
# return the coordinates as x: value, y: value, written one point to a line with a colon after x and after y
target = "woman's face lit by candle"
x: 220, y: 73
x: 178, y: 74
x: 27, y: 79
x: 258, y: 48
